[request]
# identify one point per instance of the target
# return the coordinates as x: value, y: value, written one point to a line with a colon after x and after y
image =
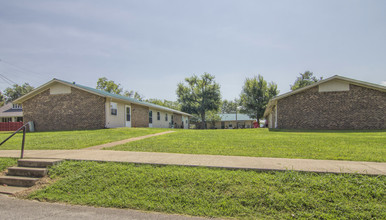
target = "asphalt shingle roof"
x: 8, y: 111
x: 131, y: 100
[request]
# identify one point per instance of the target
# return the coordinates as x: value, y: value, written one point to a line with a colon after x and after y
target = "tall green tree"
x: 17, y: 91
x: 305, y: 79
x: 199, y: 95
x: 109, y: 86
x: 255, y: 95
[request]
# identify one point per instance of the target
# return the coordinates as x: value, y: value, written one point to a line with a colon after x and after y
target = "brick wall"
x: 177, y: 120
x: 74, y: 111
x: 358, y: 108
x: 140, y: 116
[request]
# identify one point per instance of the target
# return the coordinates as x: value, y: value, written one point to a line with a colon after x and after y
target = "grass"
x: 217, y: 192
x: 66, y: 140
x: 6, y: 162
x: 331, y: 145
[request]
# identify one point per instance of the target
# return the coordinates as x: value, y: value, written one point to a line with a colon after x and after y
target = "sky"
x: 151, y: 46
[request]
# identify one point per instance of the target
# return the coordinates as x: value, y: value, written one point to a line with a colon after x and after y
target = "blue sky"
x: 151, y: 46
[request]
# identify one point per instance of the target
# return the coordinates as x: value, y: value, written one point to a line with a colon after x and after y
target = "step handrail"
x: 23, y: 141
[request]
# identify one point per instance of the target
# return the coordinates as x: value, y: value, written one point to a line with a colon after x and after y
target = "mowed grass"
x: 65, y: 140
x: 214, y: 192
x: 6, y: 162
x: 331, y: 145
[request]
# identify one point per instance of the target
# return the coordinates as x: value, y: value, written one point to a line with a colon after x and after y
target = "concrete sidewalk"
x: 112, y: 144
x: 232, y: 162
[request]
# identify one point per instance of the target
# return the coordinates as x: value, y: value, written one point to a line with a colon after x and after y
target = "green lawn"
x: 6, y: 162
x: 213, y: 192
x: 332, y: 145
x: 65, y: 140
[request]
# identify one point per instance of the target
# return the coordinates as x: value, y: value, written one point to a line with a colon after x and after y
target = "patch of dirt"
x: 4, y: 172
x: 40, y: 184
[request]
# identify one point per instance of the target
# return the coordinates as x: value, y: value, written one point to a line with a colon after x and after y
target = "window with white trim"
x: 16, y: 106
x: 166, y: 117
x: 158, y: 116
x: 113, y: 108
x: 6, y: 119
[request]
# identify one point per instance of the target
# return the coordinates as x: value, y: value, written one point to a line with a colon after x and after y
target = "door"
x: 150, y: 118
x: 128, y: 116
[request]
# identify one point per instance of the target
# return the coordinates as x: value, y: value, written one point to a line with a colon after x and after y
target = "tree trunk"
x: 257, y: 119
x: 203, y: 120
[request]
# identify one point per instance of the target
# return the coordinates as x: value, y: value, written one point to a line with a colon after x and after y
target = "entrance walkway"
x: 112, y: 144
x: 231, y: 162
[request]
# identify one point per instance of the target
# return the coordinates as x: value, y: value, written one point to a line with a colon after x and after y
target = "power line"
x: 5, y: 79
x: 20, y: 68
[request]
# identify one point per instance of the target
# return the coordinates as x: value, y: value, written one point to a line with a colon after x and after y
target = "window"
x: 172, y: 119
x: 166, y: 117
x: 150, y: 117
x: 158, y: 116
x: 128, y: 116
x: 16, y: 106
x: 6, y: 119
x: 19, y: 119
x: 113, y: 108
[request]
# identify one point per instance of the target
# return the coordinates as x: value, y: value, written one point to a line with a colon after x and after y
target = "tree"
x: 229, y: 106
x: 212, y: 117
x: 111, y: 87
x: 108, y: 86
x: 305, y: 79
x: 133, y: 94
x: 17, y: 91
x: 2, y: 99
x: 200, y: 95
x: 169, y: 104
x: 255, y: 96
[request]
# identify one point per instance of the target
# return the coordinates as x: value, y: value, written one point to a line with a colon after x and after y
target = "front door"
x: 128, y: 116
x: 150, y: 118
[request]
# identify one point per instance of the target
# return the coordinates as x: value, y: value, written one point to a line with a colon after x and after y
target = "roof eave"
x: 36, y: 91
x: 351, y: 81
x: 273, y: 101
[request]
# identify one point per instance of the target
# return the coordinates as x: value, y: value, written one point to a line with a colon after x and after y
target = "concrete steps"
x: 11, y: 190
x: 27, y: 171
x: 18, y: 181
x: 37, y: 163
x: 26, y: 174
